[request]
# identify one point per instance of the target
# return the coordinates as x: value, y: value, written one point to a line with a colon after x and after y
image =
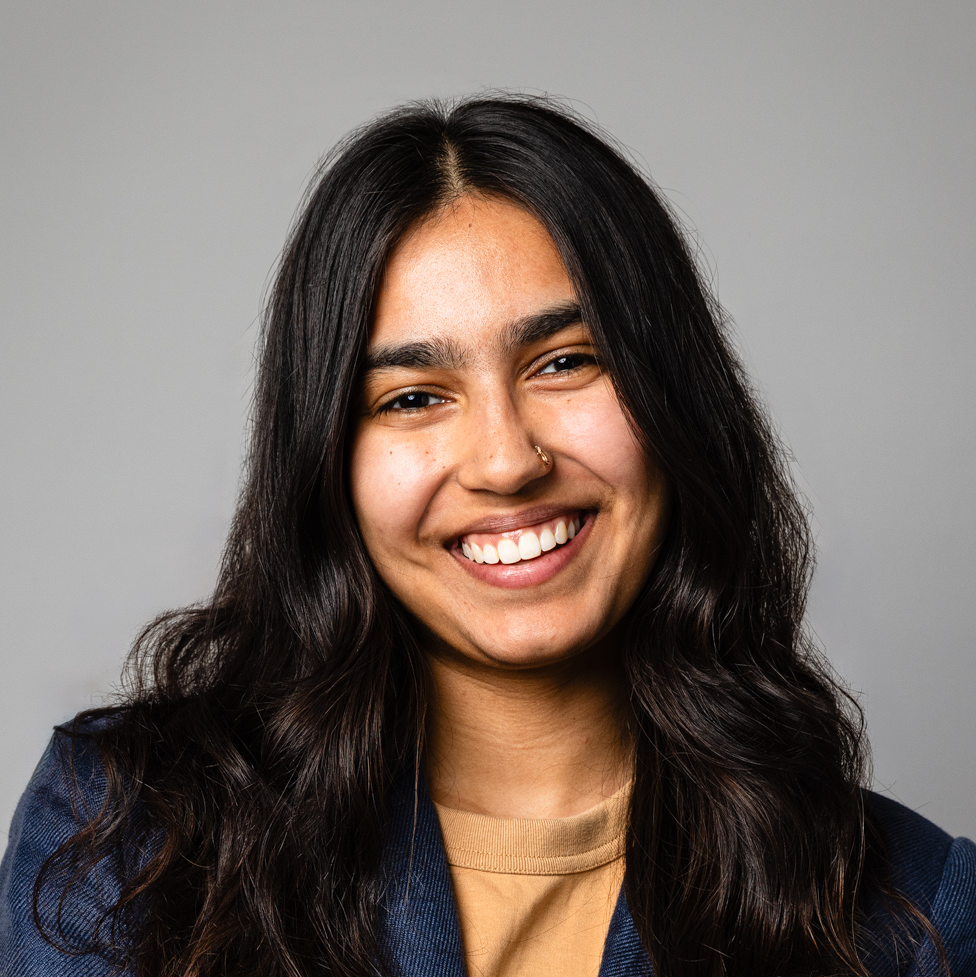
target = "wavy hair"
x: 264, y: 728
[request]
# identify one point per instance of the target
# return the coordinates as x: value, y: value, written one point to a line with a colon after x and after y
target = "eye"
x: 571, y: 361
x: 412, y: 401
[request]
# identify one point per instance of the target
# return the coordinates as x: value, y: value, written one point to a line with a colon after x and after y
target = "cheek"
x: 599, y: 436
x: 392, y: 484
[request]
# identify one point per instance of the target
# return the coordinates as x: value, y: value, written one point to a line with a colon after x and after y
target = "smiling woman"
x: 505, y: 671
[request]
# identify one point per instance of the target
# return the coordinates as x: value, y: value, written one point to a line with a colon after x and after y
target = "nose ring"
x: 543, y: 457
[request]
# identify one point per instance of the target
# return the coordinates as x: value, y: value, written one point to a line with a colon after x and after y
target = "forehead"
x: 467, y: 273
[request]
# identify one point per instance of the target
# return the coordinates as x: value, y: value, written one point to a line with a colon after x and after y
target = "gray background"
x: 154, y: 154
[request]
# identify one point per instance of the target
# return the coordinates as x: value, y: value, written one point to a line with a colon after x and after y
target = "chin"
x: 523, y: 658
x: 526, y: 651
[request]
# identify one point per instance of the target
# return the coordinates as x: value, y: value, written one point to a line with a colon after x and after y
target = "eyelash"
x: 583, y: 359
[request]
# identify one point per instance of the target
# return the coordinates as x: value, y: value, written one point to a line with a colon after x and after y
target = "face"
x: 477, y: 355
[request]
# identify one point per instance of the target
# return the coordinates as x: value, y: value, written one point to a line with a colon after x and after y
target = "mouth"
x: 522, y: 544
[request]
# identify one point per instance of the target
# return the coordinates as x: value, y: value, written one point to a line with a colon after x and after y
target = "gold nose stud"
x: 543, y: 457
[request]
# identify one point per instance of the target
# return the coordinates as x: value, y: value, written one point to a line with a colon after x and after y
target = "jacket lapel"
x: 421, y: 933
x: 623, y: 953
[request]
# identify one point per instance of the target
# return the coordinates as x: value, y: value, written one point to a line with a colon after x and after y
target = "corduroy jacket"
x: 421, y: 927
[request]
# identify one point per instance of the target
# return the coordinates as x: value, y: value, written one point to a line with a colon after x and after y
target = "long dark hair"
x: 250, y: 767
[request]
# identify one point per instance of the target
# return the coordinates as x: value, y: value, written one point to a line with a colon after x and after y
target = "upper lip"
x: 504, y: 522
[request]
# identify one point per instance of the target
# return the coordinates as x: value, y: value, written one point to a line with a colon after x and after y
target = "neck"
x: 538, y: 743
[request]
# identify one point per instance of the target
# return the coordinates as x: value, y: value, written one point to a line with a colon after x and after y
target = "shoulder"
x: 68, y: 786
x: 66, y: 790
x: 936, y: 872
x: 65, y: 794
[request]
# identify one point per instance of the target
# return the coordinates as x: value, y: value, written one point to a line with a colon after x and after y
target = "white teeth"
x: 528, y: 546
x: 508, y: 552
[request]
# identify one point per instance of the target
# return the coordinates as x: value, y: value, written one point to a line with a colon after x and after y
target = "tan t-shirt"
x: 535, y: 896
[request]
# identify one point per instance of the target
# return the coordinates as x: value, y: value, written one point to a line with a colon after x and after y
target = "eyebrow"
x: 438, y: 353
x: 542, y: 325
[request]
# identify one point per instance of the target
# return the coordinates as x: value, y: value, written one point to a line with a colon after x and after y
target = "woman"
x: 509, y: 622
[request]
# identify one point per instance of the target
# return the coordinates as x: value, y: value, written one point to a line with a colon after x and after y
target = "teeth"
x: 526, y: 546
x: 508, y: 552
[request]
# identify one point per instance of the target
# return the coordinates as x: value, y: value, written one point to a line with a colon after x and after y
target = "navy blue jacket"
x: 422, y: 934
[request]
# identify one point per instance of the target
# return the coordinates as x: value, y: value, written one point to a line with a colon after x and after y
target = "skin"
x: 527, y: 708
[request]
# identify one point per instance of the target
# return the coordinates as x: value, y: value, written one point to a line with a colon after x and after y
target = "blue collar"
x: 421, y: 933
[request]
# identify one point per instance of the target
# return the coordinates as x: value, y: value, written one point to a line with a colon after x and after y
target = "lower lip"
x: 526, y: 573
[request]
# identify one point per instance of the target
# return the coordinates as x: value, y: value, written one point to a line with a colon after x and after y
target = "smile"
x: 519, y: 545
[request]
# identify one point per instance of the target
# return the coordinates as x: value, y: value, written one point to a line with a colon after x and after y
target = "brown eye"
x: 571, y: 361
x: 415, y: 400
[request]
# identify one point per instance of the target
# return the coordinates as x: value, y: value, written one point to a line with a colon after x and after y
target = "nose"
x: 497, y: 451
